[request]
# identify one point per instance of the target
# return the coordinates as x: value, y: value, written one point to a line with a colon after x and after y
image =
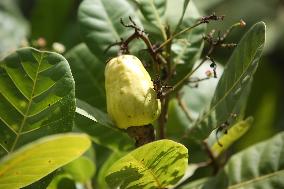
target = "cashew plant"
x: 140, y: 102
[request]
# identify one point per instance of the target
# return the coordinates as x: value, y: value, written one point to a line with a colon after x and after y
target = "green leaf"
x: 14, y: 29
x: 101, y: 129
x: 153, y: 11
x: 39, y: 158
x: 234, y: 83
x: 159, y: 164
x: 100, y: 24
x: 81, y: 169
x: 233, y: 134
x: 187, y: 47
x: 88, y: 73
x: 36, y: 97
x: 260, y: 166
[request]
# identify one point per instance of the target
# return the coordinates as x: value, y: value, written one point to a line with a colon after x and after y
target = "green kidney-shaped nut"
x: 131, y: 98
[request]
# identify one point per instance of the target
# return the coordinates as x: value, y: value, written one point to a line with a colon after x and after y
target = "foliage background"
x: 56, y: 21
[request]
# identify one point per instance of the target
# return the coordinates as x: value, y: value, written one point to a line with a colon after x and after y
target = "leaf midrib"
x: 256, y: 179
x: 28, y: 108
x: 159, y: 185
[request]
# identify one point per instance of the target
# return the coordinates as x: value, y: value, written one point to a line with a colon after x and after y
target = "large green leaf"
x: 98, y: 125
x: 36, y: 97
x: 234, y: 83
x: 88, y: 72
x: 100, y: 24
x: 258, y: 167
x: 14, y: 28
x: 39, y: 158
x: 159, y: 164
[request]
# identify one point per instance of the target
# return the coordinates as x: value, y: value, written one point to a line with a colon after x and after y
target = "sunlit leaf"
x: 159, y: 164
x: 39, y: 158
x: 233, y: 134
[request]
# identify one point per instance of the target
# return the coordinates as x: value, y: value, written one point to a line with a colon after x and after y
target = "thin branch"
x: 185, y: 79
x: 183, y: 107
x: 213, y: 44
x: 203, y: 20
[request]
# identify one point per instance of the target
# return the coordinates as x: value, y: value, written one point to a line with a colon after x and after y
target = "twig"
x: 203, y: 20
x: 197, y: 80
x: 185, y: 79
x: 139, y: 34
x: 213, y: 44
x: 183, y: 107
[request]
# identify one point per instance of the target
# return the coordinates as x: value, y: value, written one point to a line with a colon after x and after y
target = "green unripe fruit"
x: 131, y: 98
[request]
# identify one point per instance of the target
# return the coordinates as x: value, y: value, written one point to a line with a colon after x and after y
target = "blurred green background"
x: 56, y: 21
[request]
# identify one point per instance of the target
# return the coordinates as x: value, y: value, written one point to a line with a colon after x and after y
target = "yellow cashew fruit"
x: 130, y: 95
